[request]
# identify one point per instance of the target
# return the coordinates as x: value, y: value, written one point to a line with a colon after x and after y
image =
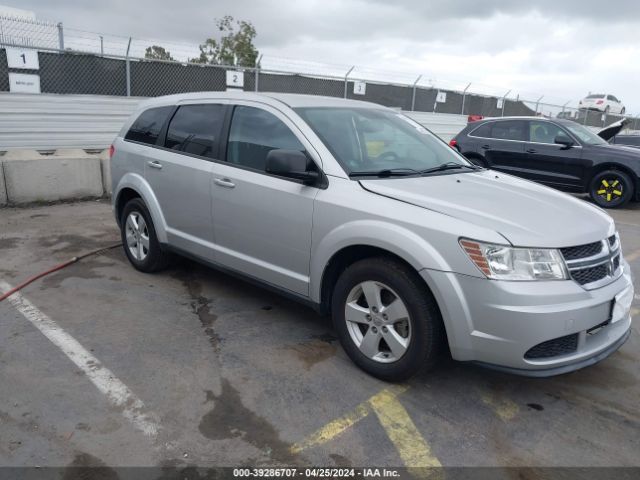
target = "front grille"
x: 581, y: 251
x: 591, y: 274
x: 554, y: 348
x: 612, y: 240
x: 616, y: 263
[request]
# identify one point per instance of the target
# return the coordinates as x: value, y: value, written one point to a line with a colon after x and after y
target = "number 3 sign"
x: 22, y: 58
x: 235, y: 79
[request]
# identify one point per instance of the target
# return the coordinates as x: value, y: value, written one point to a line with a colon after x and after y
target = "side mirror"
x: 565, y: 141
x: 292, y: 164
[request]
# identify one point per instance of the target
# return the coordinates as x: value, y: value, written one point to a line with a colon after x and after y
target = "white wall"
x: 49, y: 121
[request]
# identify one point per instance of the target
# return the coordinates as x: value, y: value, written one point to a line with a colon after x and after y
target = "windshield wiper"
x: 449, y: 166
x: 389, y: 172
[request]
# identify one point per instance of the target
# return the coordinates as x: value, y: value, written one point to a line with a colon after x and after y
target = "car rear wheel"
x: 139, y: 238
x: 611, y: 189
x: 387, y: 320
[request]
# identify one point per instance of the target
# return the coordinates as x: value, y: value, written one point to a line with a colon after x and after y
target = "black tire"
x: 611, y: 189
x: 426, y: 326
x: 156, y: 259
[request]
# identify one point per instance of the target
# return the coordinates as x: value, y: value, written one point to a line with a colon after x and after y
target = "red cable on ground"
x: 54, y: 269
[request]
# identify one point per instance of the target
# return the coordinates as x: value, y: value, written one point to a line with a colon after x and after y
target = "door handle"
x: 155, y: 164
x: 224, y: 182
x: 531, y: 150
x: 486, y: 147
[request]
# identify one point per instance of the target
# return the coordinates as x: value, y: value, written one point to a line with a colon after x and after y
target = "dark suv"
x: 558, y: 153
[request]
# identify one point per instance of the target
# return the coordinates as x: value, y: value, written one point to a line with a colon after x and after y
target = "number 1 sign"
x: 22, y: 58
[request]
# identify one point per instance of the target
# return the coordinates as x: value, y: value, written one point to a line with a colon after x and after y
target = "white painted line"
x: 133, y: 409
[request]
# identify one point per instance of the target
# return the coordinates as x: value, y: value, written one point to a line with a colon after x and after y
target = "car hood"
x: 525, y: 213
x: 620, y: 151
x: 612, y: 130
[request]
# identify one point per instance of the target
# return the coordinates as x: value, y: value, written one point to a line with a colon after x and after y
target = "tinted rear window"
x: 595, y: 95
x: 148, y: 125
x: 502, y: 130
x: 196, y: 129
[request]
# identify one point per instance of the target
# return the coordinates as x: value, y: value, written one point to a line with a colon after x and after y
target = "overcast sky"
x: 562, y: 49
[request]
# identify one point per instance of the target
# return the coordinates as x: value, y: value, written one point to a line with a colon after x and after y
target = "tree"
x: 156, y: 52
x: 235, y: 46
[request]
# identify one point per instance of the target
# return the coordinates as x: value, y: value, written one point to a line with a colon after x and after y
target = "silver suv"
x: 360, y: 212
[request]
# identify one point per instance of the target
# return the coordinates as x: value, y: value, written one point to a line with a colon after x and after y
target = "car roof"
x: 290, y: 99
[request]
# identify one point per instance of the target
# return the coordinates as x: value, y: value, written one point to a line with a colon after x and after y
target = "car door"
x: 262, y: 223
x: 180, y: 175
x: 502, y: 145
x: 551, y: 163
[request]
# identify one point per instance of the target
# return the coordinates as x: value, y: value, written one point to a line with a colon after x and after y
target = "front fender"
x: 404, y: 243
x: 136, y: 182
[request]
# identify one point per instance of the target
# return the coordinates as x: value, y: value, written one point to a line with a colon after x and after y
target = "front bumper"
x: 496, y: 323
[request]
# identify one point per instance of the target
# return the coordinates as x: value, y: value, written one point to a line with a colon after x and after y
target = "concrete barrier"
x: 68, y: 174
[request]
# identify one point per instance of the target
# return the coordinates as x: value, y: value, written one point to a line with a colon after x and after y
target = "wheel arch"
x: 131, y: 186
x: 601, y: 167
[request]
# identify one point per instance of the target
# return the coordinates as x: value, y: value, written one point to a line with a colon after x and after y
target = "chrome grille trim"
x: 609, y: 255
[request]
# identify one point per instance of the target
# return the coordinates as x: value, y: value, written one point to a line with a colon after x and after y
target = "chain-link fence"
x: 75, y: 62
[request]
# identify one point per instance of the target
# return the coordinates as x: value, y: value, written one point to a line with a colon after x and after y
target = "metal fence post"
x: 101, y: 45
x: 464, y: 96
x: 128, y: 69
x: 60, y: 36
x: 538, y: 104
x: 257, y: 72
x: 504, y: 99
x: 413, y: 95
x: 435, y: 101
x: 346, y: 81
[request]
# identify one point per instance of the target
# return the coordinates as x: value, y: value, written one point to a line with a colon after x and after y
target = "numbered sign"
x: 235, y: 79
x: 23, y: 58
x: 441, y: 97
x: 359, y: 88
x: 24, y: 83
x: 499, y: 104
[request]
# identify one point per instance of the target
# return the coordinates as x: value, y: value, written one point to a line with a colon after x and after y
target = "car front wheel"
x: 611, y: 188
x: 386, y: 318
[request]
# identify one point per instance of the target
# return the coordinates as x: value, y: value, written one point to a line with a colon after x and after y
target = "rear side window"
x: 254, y: 133
x: 148, y: 125
x: 196, y: 129
x: 502, y: 130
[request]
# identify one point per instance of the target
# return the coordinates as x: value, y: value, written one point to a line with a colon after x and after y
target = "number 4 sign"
x: 22, y: 58
x: 235, y: 79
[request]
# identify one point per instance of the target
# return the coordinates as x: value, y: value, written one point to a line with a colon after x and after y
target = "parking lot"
x: 103, y: 365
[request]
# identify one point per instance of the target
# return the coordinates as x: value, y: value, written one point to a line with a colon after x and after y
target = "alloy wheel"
x: 137, y: 235
x: 378, y: 321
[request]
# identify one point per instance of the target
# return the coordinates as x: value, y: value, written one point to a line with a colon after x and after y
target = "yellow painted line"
x: 505, y: 408
x: 339, y: 425
x: 413, y: 449
x: 333, y: 429
x: 632, y: 256
x: 411, y: 446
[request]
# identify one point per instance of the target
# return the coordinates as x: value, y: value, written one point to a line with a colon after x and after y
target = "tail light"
x: 474, y: 118
x: 453, y: 143
x: 112, y: 150
x: 599, y: 102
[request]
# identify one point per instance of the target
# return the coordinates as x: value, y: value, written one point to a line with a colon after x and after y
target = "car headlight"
x: 501, y: 262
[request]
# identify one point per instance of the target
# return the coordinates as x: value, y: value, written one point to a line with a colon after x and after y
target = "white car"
x: 603, y: 103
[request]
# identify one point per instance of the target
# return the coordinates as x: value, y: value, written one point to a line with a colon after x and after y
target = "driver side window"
x: 545, y: 132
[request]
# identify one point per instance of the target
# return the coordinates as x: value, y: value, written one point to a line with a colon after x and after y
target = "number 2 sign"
x: 235, y: 79
x: 22, y: 58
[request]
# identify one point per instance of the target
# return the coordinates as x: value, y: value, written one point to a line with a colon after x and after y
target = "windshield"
x: 584, y: 135
x: 370, y: 141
